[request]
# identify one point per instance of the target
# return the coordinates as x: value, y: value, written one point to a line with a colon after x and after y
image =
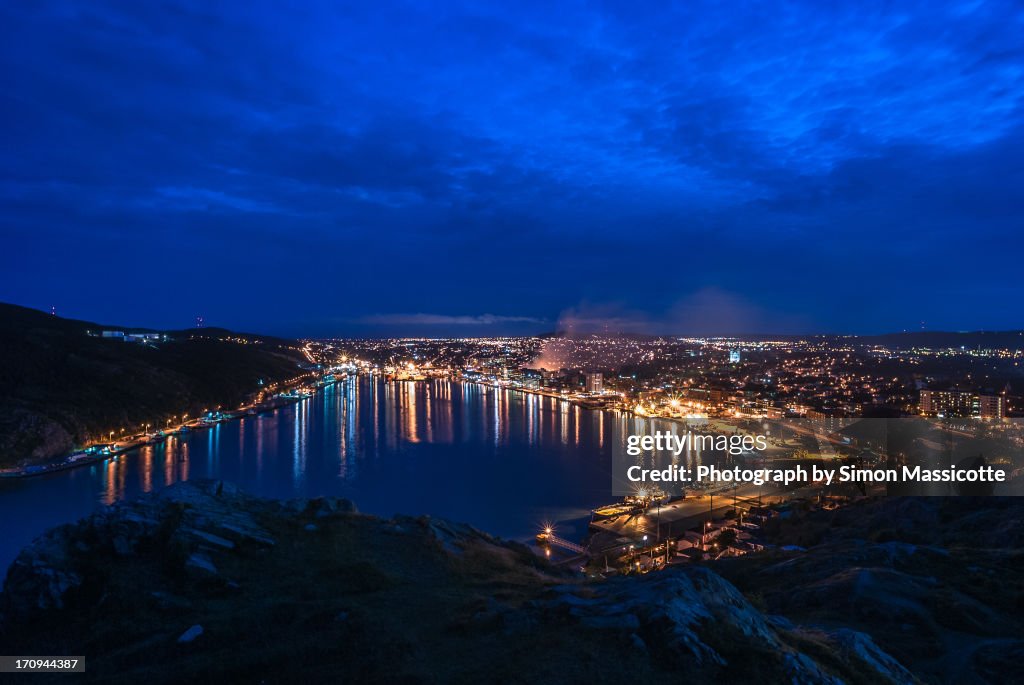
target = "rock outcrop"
x: 200, y: 571
x: 935, y: 582
x: 693, y: 614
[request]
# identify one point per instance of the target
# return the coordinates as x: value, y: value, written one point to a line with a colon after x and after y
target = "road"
x: 679, y: 516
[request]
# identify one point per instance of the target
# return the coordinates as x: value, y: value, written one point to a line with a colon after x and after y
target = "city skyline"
x: 417, y: 327
x: 486, y: 170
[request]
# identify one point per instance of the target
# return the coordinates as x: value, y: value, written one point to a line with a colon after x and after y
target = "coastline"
x: 84, y: 457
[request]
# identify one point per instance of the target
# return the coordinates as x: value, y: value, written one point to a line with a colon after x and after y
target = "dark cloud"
x: 778, y: 167
x: 445, y: 319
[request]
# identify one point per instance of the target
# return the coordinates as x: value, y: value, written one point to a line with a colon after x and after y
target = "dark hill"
x: 1012, y: 340
x: 60, y: 386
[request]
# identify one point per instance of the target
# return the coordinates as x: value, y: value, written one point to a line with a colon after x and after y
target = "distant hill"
x: 216, y: 333
x: 932, y: 339
x: 60, y: 387
x: 944, y: 339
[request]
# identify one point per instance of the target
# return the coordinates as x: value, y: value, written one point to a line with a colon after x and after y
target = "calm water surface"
x: 502, y: 460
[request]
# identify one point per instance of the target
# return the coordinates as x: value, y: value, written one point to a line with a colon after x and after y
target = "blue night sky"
x: 381, y: 168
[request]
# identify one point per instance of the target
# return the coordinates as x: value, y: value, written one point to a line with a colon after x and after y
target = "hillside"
x: 1011, y: 340
x: 202, y: 583
x: 938, y: 582
x: 59, y: 386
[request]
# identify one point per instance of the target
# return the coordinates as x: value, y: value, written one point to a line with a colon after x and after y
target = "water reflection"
x: 496, y: 458
x: 146, y: 472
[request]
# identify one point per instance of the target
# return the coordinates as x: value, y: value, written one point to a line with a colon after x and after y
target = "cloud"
x: 706, y: 311
x: 793, y: 157
x: 202, y: 199
x: 605, y: 318
x: 445, y: 320
x: 712, y: 311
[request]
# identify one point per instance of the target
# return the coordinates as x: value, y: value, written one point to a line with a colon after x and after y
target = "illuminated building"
x: 948, y: 403
x: 992, y: 407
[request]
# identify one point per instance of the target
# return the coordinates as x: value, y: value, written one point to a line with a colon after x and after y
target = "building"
x: 948, y: 403
x: 595, y: 382
x: 832, y: 420
x: 992, y: 407
x: 143, y: 337
x: 714, y: 396
x: 113, y: 334
x: 734, y: 356
x: 957, y: 403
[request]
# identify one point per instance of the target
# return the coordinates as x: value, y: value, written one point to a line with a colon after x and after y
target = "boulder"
x: 200, y: 565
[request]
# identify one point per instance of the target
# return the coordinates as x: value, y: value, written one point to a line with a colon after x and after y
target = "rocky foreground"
x: 938, y: 582
x: 201, y: 583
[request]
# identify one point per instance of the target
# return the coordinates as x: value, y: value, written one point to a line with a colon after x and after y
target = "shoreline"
x: 82, y: 458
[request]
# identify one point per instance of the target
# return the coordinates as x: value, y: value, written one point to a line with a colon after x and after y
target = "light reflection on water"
x: 499, y: 459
